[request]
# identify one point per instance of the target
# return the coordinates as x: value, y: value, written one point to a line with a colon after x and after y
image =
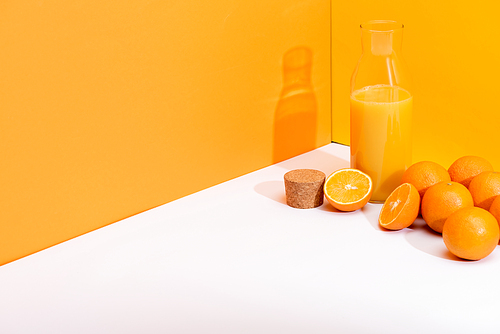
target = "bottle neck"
x: 381, y: 62
x: 381, y: 43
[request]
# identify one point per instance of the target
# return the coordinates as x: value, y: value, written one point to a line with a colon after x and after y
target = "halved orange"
x: 401, y: 208
x: 348, y: 189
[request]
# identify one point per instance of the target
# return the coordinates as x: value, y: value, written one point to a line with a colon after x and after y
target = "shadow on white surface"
x: 423, y: 238
x: 419, y: 234
x: 274, y: 190
x: 328, y: 208
x: 316, y: 159
x: 371, y: 212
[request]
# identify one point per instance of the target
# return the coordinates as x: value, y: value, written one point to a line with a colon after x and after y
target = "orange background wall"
x: 110, y: 108
x: 452, y: 49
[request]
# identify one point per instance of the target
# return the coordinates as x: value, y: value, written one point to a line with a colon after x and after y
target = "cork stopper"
x: 304, y: 188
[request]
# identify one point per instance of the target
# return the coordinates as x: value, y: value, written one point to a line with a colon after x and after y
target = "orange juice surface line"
x: 381, y: 135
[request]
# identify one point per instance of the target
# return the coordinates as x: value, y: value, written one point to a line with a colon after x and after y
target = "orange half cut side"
x: 348, y: 189
x: 401, y: 208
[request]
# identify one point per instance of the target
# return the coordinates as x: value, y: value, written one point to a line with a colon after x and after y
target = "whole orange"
x: 464, y: 169
x: 484, y: 188
x: 424, y: 174
x: 443, y: 199
x: 471, y: 233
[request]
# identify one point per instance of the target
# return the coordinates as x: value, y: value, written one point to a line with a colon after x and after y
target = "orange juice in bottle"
x: 381, y: 109
x: 381, y: 135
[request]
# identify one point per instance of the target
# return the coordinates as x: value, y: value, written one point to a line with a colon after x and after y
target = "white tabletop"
x: 235, y: 259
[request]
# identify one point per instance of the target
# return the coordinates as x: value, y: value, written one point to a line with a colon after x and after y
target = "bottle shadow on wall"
x: 296, y: 112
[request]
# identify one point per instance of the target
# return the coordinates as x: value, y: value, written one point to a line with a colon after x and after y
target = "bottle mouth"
x: 381, y: 26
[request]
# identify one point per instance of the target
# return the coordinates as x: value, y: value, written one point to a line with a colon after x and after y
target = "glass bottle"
x: 381, y: 108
